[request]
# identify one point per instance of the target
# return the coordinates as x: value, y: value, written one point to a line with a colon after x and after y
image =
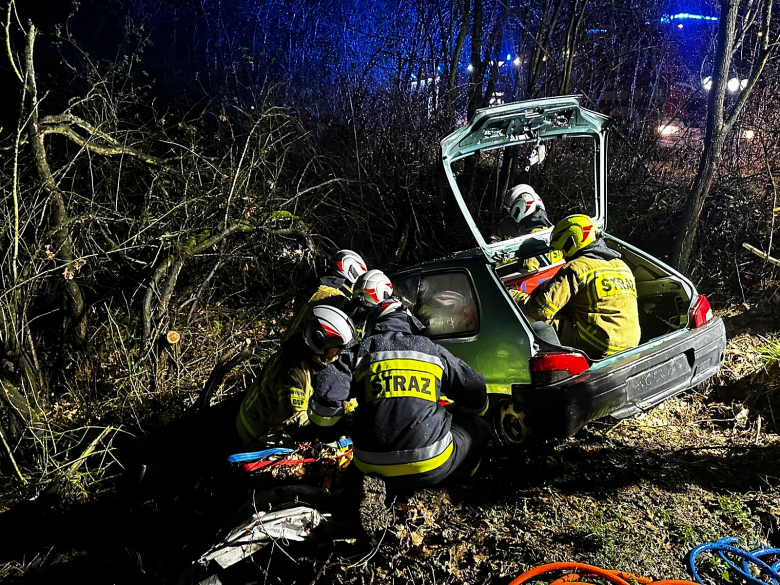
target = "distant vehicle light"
x: 685, y: 15
x: 679, y: 25
x: 743, y: 84
x: 470, y: 67
x: 668, y: 129
x: 707, y: 83
x: 517, y: 61
x: 733, y: 85
x: 749, y: 134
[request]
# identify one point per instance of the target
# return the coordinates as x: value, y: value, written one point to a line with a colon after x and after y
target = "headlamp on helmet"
x: 572, y: 234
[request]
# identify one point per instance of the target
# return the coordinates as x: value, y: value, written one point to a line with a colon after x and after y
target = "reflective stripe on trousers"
x: 395, y: 463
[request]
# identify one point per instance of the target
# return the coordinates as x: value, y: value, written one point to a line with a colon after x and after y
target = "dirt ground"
x: 635, y: 495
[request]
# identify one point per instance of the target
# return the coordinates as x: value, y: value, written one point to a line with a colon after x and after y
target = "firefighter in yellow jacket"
x: 334, y: 288
x: 592, y: 300
x: 275, y: 405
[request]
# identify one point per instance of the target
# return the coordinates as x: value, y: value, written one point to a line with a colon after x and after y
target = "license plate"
x: 658, y: 378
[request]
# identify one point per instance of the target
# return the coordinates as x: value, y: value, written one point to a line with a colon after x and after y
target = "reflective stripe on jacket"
x: 397, y: 379
x: 279, y: 396
x: 594, y: 301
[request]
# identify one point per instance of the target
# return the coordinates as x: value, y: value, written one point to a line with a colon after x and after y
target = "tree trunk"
x: 702, y: 184
x: 714, y: 137
x: 478, y: 69
x: 60, y: 221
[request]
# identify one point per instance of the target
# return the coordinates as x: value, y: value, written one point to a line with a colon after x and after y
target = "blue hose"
x: 723, y: 546
x: 251, y: 456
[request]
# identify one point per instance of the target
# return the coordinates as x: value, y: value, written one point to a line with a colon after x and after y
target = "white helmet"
x: 373, y: 287
x: 348, y: 264
x: 450, y: 300
x: 521, y: 201
x: 328, y: 327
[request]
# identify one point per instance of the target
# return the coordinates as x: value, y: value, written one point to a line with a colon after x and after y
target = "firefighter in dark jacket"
x: 592, y: 300
x: 400, y: 431
x: 525, y: 215
x: 334, y: 288
x: 275, y: 404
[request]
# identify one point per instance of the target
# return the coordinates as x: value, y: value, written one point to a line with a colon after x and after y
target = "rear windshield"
x: 565, y: 180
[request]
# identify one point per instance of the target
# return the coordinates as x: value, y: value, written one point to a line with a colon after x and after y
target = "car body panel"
x: 502, y: 346
x: 663, y: 369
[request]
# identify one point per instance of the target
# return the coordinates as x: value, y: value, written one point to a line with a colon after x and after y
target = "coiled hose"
x: 580, y: 571
x: 723, y: 547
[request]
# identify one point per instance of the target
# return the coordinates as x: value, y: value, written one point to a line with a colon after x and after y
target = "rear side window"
x: 447, y: 305
x: 406, y: 290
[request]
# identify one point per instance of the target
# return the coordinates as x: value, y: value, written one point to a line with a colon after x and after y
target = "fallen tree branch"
x: 221, y: 369
x: 761, y: 254
x: 62, y: 126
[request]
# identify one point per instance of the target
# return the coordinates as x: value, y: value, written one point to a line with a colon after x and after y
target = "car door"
x: 465, y: 310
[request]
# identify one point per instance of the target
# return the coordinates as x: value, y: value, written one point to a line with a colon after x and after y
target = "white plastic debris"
x: 294, y: 523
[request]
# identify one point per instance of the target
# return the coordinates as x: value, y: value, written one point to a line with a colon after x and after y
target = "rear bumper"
x: 625, y: 387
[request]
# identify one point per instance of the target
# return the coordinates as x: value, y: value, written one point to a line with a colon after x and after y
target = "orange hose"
x: 583, y: 570
x: 566, y: 579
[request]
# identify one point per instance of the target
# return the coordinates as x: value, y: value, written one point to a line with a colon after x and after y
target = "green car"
x: 539, y: 388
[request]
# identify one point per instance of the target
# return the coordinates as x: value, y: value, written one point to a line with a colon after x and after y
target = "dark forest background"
x: 187, y: 166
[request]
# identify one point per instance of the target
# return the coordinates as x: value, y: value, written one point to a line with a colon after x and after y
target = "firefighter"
x: 592, y: 300
x: 334, y: 288
x: 525, y: 215
x: 371, y: 288
x: 276, y: 403
x: 400, y: 432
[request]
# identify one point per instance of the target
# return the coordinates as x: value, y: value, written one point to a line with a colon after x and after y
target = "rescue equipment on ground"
x: 724, y: 549
x: 339, y: 451
x: 583, y: 574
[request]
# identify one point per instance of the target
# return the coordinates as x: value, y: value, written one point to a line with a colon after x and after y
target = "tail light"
x: 548, y: 368
x: 701, y: 313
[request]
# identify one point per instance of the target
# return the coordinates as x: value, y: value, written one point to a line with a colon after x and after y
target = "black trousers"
x: 470, y: 435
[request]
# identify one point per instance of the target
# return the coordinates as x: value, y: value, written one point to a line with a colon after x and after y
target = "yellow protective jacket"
x: 332, y: 291
x: 277, y: 400
x: 591, y: 302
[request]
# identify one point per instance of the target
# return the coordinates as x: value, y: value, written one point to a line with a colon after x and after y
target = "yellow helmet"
x: 572, y: 234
